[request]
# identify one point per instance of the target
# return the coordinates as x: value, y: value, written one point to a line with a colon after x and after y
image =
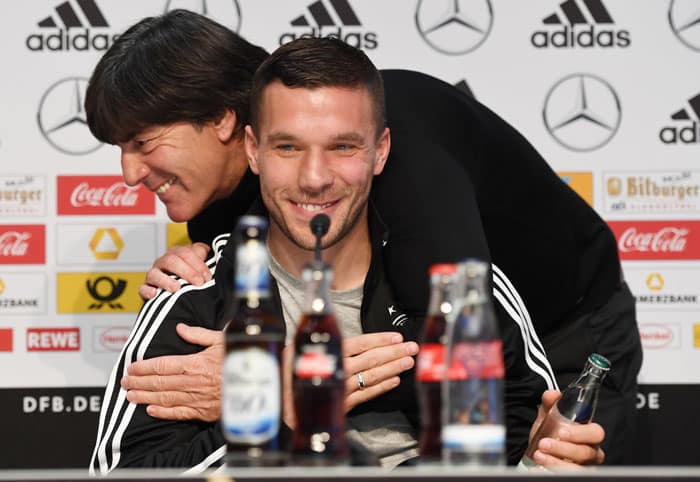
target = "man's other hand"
x: 187, y: 262
x: 181, y: 387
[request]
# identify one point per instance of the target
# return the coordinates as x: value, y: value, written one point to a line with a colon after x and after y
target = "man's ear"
x: 251, y: 149
x: 225, y: 125
x: 382, y: 151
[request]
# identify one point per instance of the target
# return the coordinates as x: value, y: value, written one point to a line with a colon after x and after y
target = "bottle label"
x: 431, y: 363
x: 314, y: 363
x: 487, y: 438
x: 251, y: 395
x: 476, y: 360
x: 252, y: 268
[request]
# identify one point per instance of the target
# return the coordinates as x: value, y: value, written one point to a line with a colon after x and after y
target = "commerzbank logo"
x: 62, y: 119
x: 334, y: 18
x: 106, y: 244
x: 684, y: 18
x: 225, y: 12
x: 584, y: 24
x: 582, y: 112
x: 655, y: 282
x: 454, y: 27
x: 77, y: 25
x: 683, y: 128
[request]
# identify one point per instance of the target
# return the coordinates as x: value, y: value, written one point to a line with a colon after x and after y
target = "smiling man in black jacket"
x: 149, y: 129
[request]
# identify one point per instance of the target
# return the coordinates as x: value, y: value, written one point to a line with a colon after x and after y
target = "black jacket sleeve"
x: 127, y: 436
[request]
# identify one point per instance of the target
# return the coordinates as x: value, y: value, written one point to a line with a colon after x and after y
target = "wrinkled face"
x: 316, y: 151
x: 187, y: 166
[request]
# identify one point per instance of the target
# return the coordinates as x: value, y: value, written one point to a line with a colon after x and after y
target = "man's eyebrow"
x: 278, y: 136
x: 349, y: 136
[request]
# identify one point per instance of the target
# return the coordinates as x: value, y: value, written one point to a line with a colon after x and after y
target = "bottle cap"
x: 600, y: 361
x: 442, y: 269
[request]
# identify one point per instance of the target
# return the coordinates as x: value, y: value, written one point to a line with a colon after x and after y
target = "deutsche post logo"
x: 99, y: 292
x: 696, y: 335
x: 2, y: 286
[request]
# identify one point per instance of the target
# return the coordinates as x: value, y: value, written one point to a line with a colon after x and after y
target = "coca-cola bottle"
x: 430, y: 364
x: 318, y: 379
x: 577, y: 404
x: 252, y: 383
x: 473, y: 431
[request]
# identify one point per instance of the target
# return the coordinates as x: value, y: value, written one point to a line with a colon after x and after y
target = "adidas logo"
x: 587, y: 27
x: 690, y: 132
x: 70, y: 25
x: 331, y: 20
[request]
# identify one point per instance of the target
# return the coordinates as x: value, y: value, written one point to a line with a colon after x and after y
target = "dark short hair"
x: 319, y: 62
x: 180, y: 66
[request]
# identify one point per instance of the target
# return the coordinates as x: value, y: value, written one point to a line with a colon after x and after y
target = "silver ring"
x: 360, y: 381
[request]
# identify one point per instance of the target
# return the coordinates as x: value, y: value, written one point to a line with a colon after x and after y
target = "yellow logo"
x: 614, y: 186
x: 176, y: 235
x: 655, y: 282
x: 2, y: 286
x: 106, y: 243
x: 581, y: 182
x: 696, y: 335
x: 99, y: 292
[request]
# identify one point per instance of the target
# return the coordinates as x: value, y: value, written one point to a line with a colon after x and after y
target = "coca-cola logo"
x: 114, y: 338
x: 22, y: 244
x: 665, y: 240
x: 14, y: 243
x: 118, y: 194
x: 102, y: 195
x: 655, y: 335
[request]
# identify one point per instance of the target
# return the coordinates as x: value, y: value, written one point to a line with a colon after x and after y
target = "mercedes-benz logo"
x: 582, y: 112
x: 453, y: 27
x: 62, y: 119
x: 225, y: 12
x: 684, y: 17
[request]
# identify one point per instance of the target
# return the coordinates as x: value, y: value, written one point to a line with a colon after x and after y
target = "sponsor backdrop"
x: 603, y: 88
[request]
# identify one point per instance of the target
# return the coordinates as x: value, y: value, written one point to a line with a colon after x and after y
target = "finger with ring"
x: 360, y: 381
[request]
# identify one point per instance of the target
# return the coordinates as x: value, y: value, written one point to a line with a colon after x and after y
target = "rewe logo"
x: 686, y: 130
x: 69, y: 28
x: 53, y: 339
x: 339, y: 21
x: 591, y: 26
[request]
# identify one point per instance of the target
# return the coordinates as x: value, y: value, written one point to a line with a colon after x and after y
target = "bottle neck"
x: 317, y: 282
x: 441, y: 295
x: 252, y: 282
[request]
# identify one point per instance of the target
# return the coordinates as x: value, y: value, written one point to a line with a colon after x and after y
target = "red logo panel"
x: 657, y: 240
x: 5, y: 339
x: 102, y: 195
x: 53, y: 339
x: 22, y: 244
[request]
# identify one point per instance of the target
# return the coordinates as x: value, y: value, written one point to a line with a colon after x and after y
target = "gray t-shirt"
x: 388, y: 436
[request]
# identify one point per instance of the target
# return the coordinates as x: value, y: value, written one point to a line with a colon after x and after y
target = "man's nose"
x: 134, y: 170
x: 314, y: 173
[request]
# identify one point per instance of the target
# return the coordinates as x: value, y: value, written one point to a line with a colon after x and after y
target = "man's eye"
x: 141, y: 142
x: 285, y: 147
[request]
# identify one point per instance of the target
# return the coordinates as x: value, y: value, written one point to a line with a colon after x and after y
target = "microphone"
x: 319, y: 227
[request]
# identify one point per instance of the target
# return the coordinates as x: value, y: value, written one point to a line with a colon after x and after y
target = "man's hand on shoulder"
x: 181, y: 387
x: 187, y: 262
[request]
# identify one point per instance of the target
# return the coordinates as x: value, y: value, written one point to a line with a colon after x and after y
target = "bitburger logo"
x: 582, y: 112
x: 73, y: 26
x: 588, y: 26
x: 62, y: 119
x: 338, y: 19
x: 454, y: 27
x: 225, y: 12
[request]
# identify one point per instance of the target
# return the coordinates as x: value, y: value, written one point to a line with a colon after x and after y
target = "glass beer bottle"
x: 430, y: 364
x: 577, y: 404
x: 318, y: 381
x: 252, y: 382
x: 473, y: 431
